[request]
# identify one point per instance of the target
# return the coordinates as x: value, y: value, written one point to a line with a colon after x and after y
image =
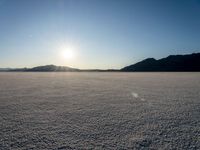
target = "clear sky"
x: 96, y: 33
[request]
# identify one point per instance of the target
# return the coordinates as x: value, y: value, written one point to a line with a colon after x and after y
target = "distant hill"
x: 47, y: 68
x: 52, y: 68
x: 4, y: 69
x: 190, y: 62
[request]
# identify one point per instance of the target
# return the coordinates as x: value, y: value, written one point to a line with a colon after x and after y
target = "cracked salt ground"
x: 99, y: 111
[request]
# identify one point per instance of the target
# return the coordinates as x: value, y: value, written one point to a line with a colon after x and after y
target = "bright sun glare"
x: 68, y: 53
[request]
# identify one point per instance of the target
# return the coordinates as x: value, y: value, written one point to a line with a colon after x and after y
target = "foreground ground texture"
x: 99, y: 111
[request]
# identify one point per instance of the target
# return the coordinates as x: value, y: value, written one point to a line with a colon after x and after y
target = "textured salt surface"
x: 99, y: 111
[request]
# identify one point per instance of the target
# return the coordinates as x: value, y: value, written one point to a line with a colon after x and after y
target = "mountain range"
x: 190, y: 62
x: 173, y: 63
x: 47, y: 68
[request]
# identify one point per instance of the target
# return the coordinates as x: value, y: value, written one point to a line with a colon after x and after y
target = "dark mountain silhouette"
x: 190, y: 62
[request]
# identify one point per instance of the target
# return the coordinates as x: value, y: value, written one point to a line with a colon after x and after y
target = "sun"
x: 68, y: 54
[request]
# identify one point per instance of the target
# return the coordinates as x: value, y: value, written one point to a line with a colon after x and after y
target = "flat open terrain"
x: 99, y: 111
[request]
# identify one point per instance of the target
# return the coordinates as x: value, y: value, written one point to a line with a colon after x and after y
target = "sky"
x: 100, y: 34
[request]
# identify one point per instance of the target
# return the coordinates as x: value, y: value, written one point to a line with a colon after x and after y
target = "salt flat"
x: 99, y: 111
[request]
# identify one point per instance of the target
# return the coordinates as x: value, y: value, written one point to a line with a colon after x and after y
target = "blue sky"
x: 101, y: 33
